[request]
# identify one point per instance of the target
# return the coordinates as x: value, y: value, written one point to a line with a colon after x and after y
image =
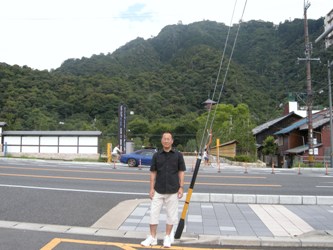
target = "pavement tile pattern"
x: 240, y: 219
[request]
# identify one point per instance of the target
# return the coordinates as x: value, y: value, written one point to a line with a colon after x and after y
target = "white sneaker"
x: 150, y: 241
x: 172, y: 237
x: 167, y: 241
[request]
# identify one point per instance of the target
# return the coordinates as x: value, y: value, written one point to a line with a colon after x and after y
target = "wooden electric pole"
x: 308, y: 59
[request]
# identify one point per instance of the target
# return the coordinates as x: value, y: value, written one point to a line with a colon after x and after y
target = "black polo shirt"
x: 167, y: 165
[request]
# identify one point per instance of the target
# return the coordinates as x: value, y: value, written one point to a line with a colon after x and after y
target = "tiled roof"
x: 302, y: 148
x: 268, y: 124
x: 295, y: 125
x: 318, y: 121
x: 209, y: 101
x: 292, y: 127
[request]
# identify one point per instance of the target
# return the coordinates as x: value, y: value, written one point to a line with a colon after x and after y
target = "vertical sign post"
x: 218, y: 154
x: 122, y: 127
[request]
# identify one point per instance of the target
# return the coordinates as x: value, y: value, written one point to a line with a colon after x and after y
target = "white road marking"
x: 281, y: 221
x: 72, y: 190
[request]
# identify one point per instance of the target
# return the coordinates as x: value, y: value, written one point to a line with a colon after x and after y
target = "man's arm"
x: 210, y: 140
x: 181, y: 175
x: 152, y: 184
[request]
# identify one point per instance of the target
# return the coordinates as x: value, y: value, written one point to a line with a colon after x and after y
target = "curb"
x: 316, y: 240
x: 313, y: 239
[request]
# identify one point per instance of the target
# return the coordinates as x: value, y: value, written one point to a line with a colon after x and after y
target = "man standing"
x: 166, y: 187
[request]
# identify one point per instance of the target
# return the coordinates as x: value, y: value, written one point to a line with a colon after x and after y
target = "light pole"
x: 327, y: 35
x: 329, y: 65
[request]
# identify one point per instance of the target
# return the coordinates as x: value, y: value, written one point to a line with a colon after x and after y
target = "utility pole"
x: 308, y: 59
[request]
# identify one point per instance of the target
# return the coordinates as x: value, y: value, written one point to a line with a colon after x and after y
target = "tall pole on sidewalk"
x: 329, y: 65
x: 308, y: 59
x: 327, y: 35
x: 308, y: 84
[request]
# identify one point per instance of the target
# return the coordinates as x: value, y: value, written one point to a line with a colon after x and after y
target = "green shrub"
x: 244, y: 158
x: 102, y: 159
x: 306, y: 165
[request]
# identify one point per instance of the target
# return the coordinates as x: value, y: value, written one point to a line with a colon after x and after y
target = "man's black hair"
x: 168, y: 132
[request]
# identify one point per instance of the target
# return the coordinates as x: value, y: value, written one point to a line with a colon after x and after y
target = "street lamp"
x: 329, y: 66
x: 327, y: 35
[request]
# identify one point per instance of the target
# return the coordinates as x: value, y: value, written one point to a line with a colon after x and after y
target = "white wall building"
x: 52, y: 144
x: 292, y: 106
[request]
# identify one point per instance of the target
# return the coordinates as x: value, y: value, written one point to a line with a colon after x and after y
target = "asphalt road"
x: 78, y: 194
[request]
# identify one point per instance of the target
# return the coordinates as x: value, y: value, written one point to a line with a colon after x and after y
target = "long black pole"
x: 329, y: 65
x: 181, y: 223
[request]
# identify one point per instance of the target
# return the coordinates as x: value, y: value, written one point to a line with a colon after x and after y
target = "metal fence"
x: 324, y: 160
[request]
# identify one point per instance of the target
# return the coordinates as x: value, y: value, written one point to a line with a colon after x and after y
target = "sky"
x: 42, y: 34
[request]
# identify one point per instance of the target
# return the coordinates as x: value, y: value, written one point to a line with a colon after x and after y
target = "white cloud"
x: 136, y: 13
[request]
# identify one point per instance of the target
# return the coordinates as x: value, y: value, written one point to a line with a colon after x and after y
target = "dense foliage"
x: 230, y: 123
x: 165, y: 80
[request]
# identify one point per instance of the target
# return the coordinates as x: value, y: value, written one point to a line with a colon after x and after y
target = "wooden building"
x: 228, y: 149
x: 264, y: 130
x: 293, y: 140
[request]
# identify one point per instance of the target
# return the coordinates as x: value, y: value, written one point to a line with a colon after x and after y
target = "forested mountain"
x: 165, y: 79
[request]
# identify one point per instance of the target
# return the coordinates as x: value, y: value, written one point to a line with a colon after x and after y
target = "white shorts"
x: 171, y: 206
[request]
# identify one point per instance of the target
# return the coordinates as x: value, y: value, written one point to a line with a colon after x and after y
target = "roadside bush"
x: 102, y: 159
x: 306, y: 165
x: 244, y: 158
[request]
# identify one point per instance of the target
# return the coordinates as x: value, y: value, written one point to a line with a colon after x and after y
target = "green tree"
x: 165, y: 79
x: 269, y: 147
x: 138, y: 127
x: 230, y: 123
x: 191, y: 146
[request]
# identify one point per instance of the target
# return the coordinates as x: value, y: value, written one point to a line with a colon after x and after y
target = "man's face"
x: 167, y: 140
